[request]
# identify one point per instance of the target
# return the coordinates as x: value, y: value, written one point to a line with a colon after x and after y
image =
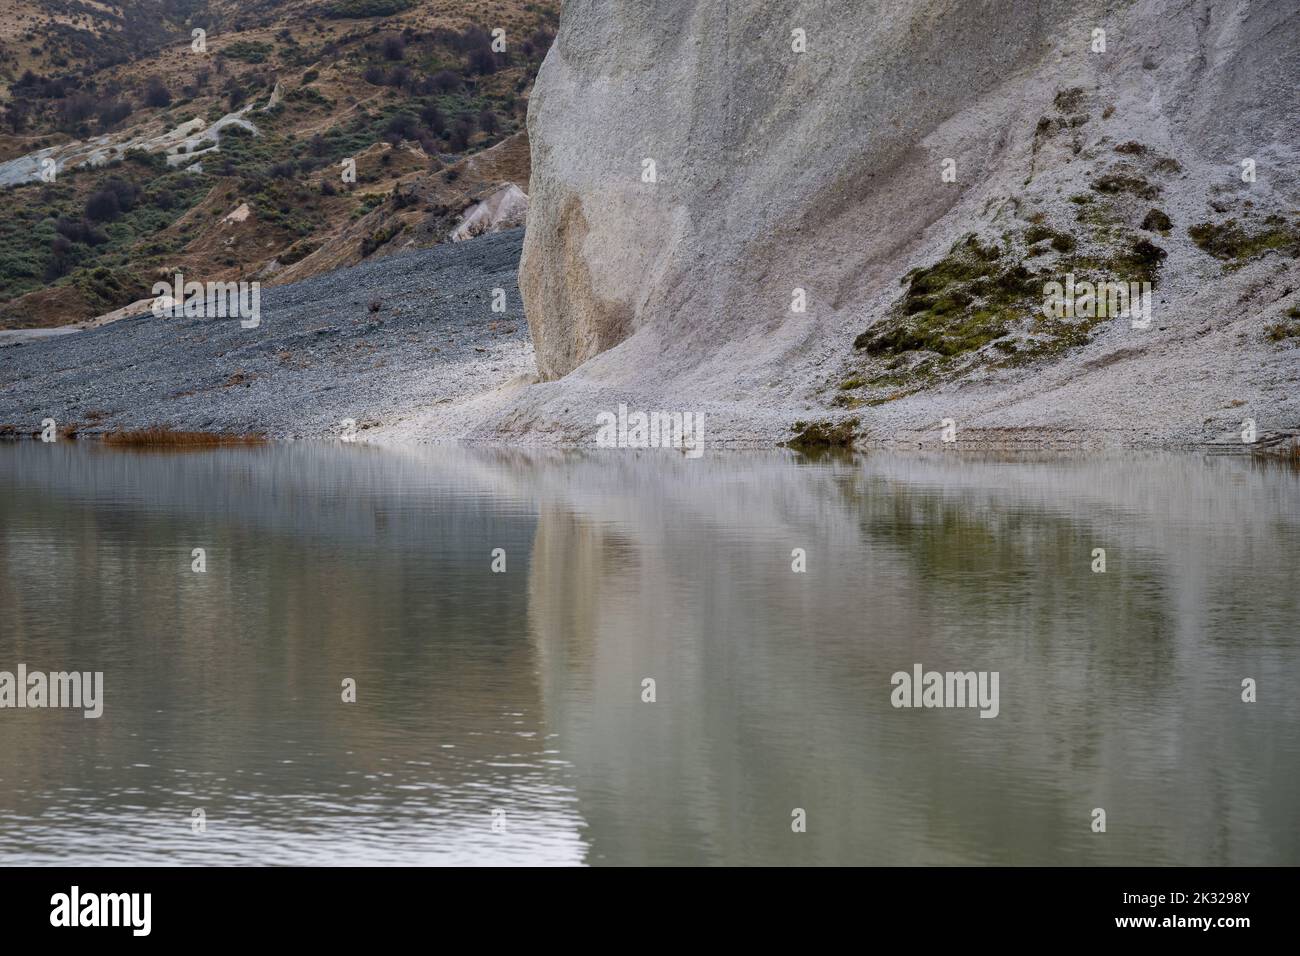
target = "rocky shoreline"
x: 409, y: 349
x: 372, y: 343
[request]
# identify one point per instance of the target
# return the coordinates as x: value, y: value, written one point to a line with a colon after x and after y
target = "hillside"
x: 226, y: 162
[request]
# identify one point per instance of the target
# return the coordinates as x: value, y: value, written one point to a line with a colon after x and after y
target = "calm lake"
x: 500, y: 717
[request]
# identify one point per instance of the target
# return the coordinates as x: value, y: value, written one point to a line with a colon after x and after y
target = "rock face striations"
x: 851, y: 209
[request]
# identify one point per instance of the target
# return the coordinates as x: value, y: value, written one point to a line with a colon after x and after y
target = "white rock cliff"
x: 776, y: 170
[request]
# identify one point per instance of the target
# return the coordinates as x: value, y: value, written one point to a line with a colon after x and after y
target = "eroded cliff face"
x: 823, y: 171
x: 773, y: 168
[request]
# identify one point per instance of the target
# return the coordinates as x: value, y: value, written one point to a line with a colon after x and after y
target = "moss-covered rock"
x: 824, y: 434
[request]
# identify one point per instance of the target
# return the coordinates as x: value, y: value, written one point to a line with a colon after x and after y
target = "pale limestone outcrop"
x: 778, y: 170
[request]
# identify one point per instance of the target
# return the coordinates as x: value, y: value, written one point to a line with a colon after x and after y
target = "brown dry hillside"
x: 156, y: 136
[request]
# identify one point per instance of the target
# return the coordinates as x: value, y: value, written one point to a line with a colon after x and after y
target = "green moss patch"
x: 1235, y: 242
x: 980, y: 305
x: 959, y: 304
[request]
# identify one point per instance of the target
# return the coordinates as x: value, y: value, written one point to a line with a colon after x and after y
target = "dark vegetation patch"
x: 1236, y: 242
x: 297, y: 252
x: 812, y: 436
x: 248, y: 51
x: 1067, y: 104
x: 358, y: 9
x: 1059, y: 241
x: 982, y: 305
x: 1139, y: 261
x: 381, y: 237
x: 1069, y: 101
x: 1156, y: 221
x: 1289, y: 328
x: 1114, y: 183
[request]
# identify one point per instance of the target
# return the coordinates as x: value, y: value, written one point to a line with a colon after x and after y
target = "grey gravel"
x: 319, y: 356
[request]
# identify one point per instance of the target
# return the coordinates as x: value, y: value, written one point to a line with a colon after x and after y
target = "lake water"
x: 499, y: 717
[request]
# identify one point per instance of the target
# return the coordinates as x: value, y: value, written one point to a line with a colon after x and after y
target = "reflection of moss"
x: 1232, y: 241
x: 1020, y: 547
x: 825, y: 434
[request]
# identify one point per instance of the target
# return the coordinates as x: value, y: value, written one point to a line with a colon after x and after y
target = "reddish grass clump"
x: 168, y: 438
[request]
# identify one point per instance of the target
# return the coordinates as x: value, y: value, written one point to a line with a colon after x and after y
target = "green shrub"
x: 249, y: 51
x: 358, y: 9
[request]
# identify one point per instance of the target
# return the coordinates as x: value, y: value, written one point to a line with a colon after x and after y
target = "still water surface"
x: 521, y: 691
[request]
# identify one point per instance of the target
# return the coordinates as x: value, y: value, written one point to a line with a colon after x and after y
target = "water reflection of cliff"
x: 223, y: 688
x: 523, y: 690
x: 1119, y: 689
